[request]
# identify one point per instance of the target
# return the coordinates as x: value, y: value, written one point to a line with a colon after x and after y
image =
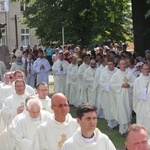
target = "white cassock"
x: 42, y: 74
x: 88, y: 78
x: 9, y: 111
x: 10, y: 105
x: 16, y: 66
x: 96, y: 91
x: 52, y: 134
x: 81, y: 71
x: 10, y: 89
x: 123, y: 97
x: 60, y: 75
x: 70, y: 86
x: 99, y: 141
x: 46, y: 103
x: 141, y: 99
x: 26, y: 128
x: 106, y: 102
x: 11, y: 130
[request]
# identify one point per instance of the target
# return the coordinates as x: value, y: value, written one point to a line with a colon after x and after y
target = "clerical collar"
x: 89, y: 140
x: 36, y: 119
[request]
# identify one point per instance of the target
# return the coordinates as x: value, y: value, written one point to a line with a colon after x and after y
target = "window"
x: 4, y: 5
x: 2, y: 8
x: 25, y: 37
x: 3, y: 39
x: 23, y: 6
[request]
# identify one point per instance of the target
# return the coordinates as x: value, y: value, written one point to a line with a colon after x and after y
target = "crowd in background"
x: 113, y: 79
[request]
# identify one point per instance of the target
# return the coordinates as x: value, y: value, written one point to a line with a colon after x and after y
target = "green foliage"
x: 84, y: 21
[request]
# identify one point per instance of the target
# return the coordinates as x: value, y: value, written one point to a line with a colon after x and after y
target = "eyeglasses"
x: 19, y: 86
x: 61, y: 105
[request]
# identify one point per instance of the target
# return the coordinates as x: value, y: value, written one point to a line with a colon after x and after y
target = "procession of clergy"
x: 112, y: 79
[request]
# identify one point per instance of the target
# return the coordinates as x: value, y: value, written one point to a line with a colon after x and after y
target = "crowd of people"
x: 106, y: 82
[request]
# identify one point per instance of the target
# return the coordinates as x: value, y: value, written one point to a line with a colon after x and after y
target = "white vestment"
x: 9, y: 111
x: 10, y: 105
x: 10, y: 89
x: 26, y: 128
x: 106, y: 102
x: 122, y: 97
x: 15, y: 67
x: 60, y: 75
x: 71, y: 82
x: 141, y: 99
x: 96, y: 91
x: 42, y: 73
x: 88, y: 78
x: 77, y: 142
x: 81, y: 71
x: 46, y: 103
x: 11, y: 130
x: 52, y: 134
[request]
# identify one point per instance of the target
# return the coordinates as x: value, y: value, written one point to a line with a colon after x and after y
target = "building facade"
x: 15, y: 33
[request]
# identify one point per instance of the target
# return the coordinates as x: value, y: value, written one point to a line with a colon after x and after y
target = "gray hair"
x: 34, y: 102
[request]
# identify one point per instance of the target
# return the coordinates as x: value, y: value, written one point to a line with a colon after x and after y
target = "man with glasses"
x: 10, y: 89
x: 12, y: 106
x: 58, y: 128
x: 42, y: 92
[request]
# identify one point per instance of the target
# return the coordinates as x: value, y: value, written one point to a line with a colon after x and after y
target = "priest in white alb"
x: 107, y: 105
x: 88, y: 78
x: 81, y: 70
x: 141, y: 96
x: 26, y: 126
x: 70, y: 82
x: 58, y: 128
x: 41, y: 66
x: 88, y: 137
x: 121, y: 85
x: 59, y: 70
x: 42, y: 95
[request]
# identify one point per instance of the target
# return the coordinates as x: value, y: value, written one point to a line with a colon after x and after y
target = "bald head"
x: 60, y: 106
x: 58, y: 97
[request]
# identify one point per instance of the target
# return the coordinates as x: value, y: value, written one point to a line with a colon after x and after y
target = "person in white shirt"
x: 58, y: 128
x: 26, y: 126
x: 41, y: 66
x: 88, y: 136
x: 59, y: 70
x: 42, y: 92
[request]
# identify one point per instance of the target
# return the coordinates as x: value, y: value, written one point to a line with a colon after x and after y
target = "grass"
x: 114, y: 134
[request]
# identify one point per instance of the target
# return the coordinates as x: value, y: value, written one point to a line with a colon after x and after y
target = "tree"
x: 84, y: 21
x: 141, y: 25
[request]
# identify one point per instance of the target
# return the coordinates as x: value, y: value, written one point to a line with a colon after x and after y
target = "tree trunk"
x: 141, y: 26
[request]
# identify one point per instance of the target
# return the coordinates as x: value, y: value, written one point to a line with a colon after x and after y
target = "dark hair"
x: 84, y: 108
x: 110, y: 60
x: 41, y: 83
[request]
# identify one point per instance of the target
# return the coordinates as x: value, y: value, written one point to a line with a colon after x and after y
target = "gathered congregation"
x: 106, y: 82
